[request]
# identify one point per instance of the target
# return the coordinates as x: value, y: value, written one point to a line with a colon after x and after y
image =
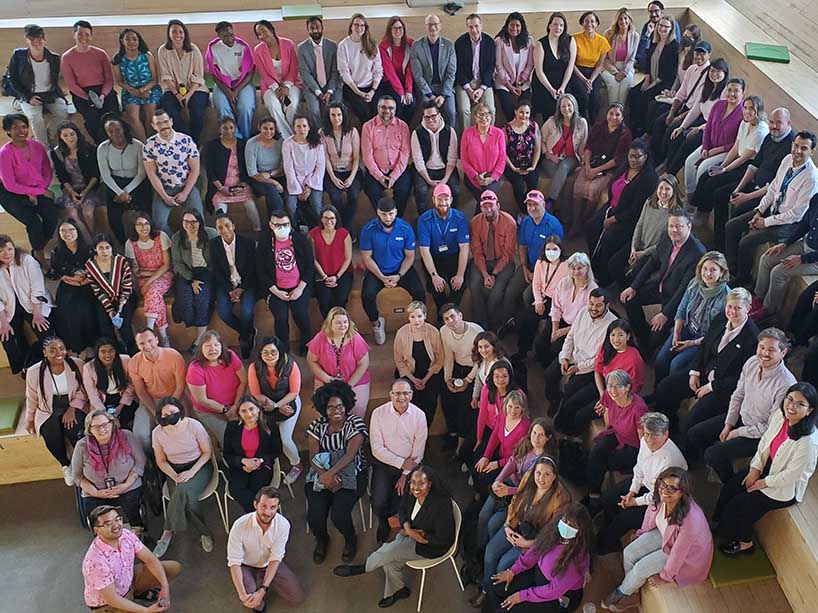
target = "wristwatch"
x: 264, y: 587
x: 225, y: 409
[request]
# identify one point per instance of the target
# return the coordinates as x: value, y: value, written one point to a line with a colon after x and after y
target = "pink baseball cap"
x: 488, y: 195
x: 535, y: 195
x: 441, y: 189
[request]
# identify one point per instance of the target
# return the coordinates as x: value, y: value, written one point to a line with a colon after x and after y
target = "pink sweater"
x: 478, y: 157
x: 488, y: 410
x: 505, y: 443
x: 86, y: 69
x: 546, y: 279
x: 24, y: 176
x: 689, y: 545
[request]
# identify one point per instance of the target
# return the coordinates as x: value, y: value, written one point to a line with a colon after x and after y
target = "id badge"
x: 443, y: 249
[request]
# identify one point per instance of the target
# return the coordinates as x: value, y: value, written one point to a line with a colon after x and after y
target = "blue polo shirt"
x: 443, y: 236
x: 533, y: 235
x: 387, y: 247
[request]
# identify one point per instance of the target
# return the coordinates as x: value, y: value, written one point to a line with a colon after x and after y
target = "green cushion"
x: 210, y: 80
x: 727, y: 570
x: 300, y: 11
x: 10, y: 410
x: 767, y: 53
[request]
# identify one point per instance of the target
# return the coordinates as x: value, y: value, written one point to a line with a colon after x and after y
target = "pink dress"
x: 150, y: 260
x: 232, y: 180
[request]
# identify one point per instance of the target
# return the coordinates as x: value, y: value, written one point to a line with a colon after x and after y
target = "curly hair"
x: 334, y: 389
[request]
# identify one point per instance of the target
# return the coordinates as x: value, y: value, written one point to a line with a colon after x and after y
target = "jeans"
x: 245, y: 107
x: 196, y: 105
x: 92, y: 116
x: 558, y: 174
x: 39, y: 219
x: 496, y: 549
x: 308, y: 210
x: 489, y: 520
x: 283, y: 115
x: 423, y: 191
x: 488, y: 304
x: 345, y: 200
x: 285, y: 430
x: 162, y: 212
x: 272, y: 197
x: 58, y: 109
x: 642, y: 559
x: 243, y: 324
x: 401, y: 189
x: 372, y: 286
x: 329, y: 297
x: 300, y: 309
x: 669, y: 362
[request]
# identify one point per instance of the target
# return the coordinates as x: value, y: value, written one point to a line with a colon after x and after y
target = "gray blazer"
x: 306, y: 66
x: 421, y: 58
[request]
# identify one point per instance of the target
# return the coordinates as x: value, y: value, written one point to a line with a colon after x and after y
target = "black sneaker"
x: 319, y: 554
x: 350, y: 550
x: 390, y: 600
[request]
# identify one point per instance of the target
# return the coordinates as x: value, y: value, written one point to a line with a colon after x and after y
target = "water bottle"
x: 589, y: 607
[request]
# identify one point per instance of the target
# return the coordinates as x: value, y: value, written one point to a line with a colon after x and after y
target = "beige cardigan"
x: 38, y: 408
x: 551, y: 133
x: 89, y: 380
x: 402, y: 349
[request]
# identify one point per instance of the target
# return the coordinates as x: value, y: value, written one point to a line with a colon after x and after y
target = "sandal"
x: 150, y: 595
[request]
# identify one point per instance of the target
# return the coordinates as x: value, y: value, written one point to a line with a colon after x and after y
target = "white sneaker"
x: 379, y: 330
x: 161, y: 547
x: 292, y: 476
x: 207, y: 543
x: 67, y: 476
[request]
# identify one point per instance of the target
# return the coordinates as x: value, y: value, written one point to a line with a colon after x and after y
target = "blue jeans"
x: 272, y: 198
x: 245, y: 107
x: 162, y: 212
x: 346, y: 201
x: 496, y: 549
x: 489, y: 520
x: 668, y: 362
x: 243, y: 324
x: 310, y: 208
x: 196, y: 106
x: 402, y: 189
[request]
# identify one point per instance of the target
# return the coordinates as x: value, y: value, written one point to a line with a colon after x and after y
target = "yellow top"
x: 589, y: 50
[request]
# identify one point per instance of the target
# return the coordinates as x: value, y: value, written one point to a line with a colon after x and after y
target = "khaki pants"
x: 144, y: 580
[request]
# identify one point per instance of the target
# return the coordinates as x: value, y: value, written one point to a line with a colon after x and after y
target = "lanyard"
x: 445, y: 228
x: 789, y: 178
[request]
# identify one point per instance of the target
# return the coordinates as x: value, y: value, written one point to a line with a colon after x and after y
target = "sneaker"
x: 67, y: 476
x: 164, y: 341
x: 617, y: 602
x: 292, y: 476
x: 207, y: 543
x: 162, y: 547
x: 379, y: 331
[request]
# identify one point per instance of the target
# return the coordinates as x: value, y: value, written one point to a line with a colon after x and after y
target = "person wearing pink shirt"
x: 397, y: 71
x: 386, y: 144
x: 514, y: 63
x: 229, y: 59
x: 482, y: 153
x: 89, y: 77
x: 277, y: 64
x: 360, y: 67
x: 304, y: 164
x: 673, y: 546
x: 25, y: 174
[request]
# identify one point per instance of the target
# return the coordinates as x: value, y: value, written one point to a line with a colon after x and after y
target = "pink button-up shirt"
x: 394, y: 436
x: 103, y: 565
x: 303, y: 165
x: 26, y: 172
x: 478, y: 157
x: 385, y: 147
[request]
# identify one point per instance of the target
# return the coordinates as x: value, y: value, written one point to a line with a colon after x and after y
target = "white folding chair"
x: 206, y: 493
x: 275, y: 482
x: 424, y: 564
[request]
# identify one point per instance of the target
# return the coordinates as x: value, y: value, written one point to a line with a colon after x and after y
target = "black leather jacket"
x: 21, y: 74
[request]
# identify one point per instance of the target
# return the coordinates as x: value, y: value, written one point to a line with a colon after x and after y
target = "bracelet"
x: 264, y: 587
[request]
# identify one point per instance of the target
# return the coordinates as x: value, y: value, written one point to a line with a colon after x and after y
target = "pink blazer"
x: 505, y: 73
x: 89, y: 380
x: 289, y: 64
x: 689, y: 546
x: 38, y: 407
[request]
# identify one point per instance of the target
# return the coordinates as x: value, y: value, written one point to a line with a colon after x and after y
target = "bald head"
x: 779, y: 122
x: 432, y: 27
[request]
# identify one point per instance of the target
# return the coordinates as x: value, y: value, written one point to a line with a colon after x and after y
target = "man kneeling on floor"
x: 111, y: 579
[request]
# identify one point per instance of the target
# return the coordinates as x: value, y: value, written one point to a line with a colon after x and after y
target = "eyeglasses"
x: 328, y: 218
x: 104, y: 426
x: 395, y: 393
x: 666, y: 487
x: 484, y: 115
x: 635, y: 156
x: 278, y: 226
x: 796, y: 403
x: 107, y: 524
x: 269, y: 354
x: 616, y: 386
x: 432, y: 116
x: 190, y: 222
x: 336, y: 408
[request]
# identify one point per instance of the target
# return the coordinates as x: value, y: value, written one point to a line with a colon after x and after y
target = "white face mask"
x: 552, y: 255
x: 282, y: 234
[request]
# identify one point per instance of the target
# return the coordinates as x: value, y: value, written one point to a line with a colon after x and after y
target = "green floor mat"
x: 767, y: 53
x: 10, y: 410
x: 726, y: 570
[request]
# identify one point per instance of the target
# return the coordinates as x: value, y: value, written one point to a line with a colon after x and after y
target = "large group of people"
x: 398, y: 120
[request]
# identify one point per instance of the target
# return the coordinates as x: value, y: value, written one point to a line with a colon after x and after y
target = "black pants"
x: 39, y: 219
x: 125, y: 332
x: 810, y: 372
x: 129, y: 502
x: 573, y: 416
x: 554, y: 394
x: 525, y: 580
x: 679, y: 150
x: 372, y: 286
x: 605, y: 456
x: 426, y: 399
x: 618, y: 521
x: 720, y: 455
x: 346, y: 201
x: 737, y: 510
x: 446, y: 266
x: 460, y: 417
x: 723, y: 211
x: 529, y: 326
x: 141, y: 201
x: 804, y: 319
x: 362, y: 109
x: 588, y: 102
x: 54, y: 435
x: 521, y: 185
x: 92, y: 116
x: 507, y: 101
x: 423, y: 191
x: 618, y: 265
x: 300, y: 309
x: 706, y: 188
x: 401, y: 190
x: 335, y: 505
x: 640, y: 103
x: 196, y: 106
x: 658, y: 131
x: 19, y: 351
x: 329, y: 297
x: 385, y: 499
x: 646, y: 295
x: 604, y: 244
x: 676, y: 387
x: 244, y: 485
x: 545, y: 350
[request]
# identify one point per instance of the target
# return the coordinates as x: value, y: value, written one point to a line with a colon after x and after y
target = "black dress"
x: 554, y: 69
x: 74, y: 317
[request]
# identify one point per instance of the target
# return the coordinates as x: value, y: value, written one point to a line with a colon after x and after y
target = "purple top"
x: 617, y: 187
x: 572, y: 579
x: 515, y: 468
x: 720, y: 131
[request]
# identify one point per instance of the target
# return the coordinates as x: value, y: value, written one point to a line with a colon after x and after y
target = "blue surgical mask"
x: 566, y: 531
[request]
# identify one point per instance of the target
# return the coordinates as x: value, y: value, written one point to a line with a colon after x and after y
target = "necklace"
x: 462, y: 336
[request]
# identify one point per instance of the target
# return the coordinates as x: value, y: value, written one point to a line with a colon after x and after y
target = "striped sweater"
x: 111, y: 290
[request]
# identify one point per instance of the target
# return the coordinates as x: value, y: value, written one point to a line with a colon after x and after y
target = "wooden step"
x: 759, y: 597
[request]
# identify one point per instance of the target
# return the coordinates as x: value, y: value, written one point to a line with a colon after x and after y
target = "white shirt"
x: 42, y: 75
x: 661, y: 520
x: 650, y: 464
x: 248, y: 544
x: 228, y: 59
x: 585, y: 339
x: 475, y: 59
x: 435, y: 161
x: 60, y: 384
x: 230, y: 253
x: 796, y: 201
x: 415, y: 510
x: 729, y: 335
x: 751, y: 136
x: 23, y: 283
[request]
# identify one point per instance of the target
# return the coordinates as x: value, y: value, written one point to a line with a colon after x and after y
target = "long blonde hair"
x: 613, y: 31
x: 334, y: 312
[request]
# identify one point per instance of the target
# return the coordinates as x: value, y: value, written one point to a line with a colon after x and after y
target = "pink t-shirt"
x: 183, y: 446
x: 103, y: 565
x: 351, y: 354
x: 221, y: 382
x: 249, y: 442
x: 287, y: 273
x: 617, y: 187
x: 779, y: 439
